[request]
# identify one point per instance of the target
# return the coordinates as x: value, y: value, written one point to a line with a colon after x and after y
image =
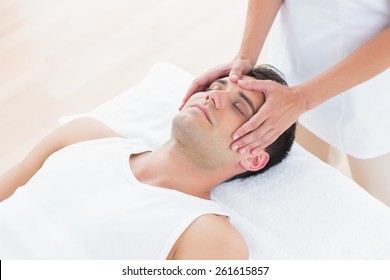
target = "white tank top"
x: 85, y: 203
x: 310, y: 36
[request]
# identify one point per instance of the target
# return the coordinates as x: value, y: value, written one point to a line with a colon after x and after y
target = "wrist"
x: 303, y: 98
x: 246, y: 59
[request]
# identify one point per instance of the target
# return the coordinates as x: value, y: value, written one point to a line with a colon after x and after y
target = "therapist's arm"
x: 79, y: 130
x: 364, y: 63
x: 259, y: 19
x: 284, y: 105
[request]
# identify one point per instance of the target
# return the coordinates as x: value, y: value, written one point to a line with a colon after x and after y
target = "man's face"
x: 208, y: 120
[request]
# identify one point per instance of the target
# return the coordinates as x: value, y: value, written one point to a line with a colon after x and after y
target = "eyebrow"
x: 250, y: 103
x: 242, y: 95
x: 221, y: 81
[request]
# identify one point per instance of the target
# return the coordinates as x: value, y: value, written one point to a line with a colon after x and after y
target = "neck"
x: 172, y: 168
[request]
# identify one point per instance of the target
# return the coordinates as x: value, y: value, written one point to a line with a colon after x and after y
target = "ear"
x: 254, y: 163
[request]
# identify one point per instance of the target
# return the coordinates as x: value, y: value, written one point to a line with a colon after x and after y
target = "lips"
x: 204, y: 110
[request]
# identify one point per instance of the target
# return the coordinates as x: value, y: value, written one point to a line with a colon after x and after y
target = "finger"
x: 242, y: 142
x: 195, y: 86
x: 251, y: 147
x: 236, y: 72
x: 251, y: 137
x: 201, y: 83
x: 256, y: 142
x: 256, y: 121
x: 247, y: 148
x: 206, y: 79
x: 256, y: 85
x: 263, y: 143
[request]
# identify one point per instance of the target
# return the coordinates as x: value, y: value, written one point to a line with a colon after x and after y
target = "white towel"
x: 300, y: 209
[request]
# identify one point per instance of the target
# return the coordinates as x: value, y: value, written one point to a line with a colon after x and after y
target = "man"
x: 90, y: 193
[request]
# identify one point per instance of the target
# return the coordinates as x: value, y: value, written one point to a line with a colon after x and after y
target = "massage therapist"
x: 336, y: 58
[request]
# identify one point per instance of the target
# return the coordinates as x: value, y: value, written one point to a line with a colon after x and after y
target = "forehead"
x: 256, y: 97
x: 227, y: 82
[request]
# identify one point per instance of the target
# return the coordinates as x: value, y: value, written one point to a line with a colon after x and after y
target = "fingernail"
x: 235, y: 147
x: 236, y: 136
x: 234, y: 77
x: 254, y: 153
x: 242, y: 151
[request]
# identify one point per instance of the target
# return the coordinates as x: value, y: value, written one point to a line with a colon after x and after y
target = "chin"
x: 185, y: 130
x: 186, y: 126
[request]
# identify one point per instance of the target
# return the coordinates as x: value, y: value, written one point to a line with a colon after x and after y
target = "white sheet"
x: 301, y: 209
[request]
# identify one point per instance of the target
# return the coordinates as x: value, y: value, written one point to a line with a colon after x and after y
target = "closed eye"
x: 217, y: 85
x: 237, y: 106
x: 213, y: 88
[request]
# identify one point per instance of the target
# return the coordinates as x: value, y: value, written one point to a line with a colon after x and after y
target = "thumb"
x: 255, y: 85
x: 236, y: 72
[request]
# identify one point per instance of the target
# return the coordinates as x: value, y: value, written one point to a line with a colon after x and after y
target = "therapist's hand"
x: 283, y: 105
x: 234, y: 69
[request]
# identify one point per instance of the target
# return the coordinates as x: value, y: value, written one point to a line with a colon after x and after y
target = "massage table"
x: 300, y: 209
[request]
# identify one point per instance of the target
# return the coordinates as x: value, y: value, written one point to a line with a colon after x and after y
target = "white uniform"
x: 310, y: 36
x: 85, y: 203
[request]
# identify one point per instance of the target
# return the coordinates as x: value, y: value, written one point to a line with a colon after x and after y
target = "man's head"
x: 206, y: 123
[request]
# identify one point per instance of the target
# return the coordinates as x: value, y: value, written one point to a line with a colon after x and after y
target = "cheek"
x: 225, y: 132
x: 196, y: 97
x: 231, y: 122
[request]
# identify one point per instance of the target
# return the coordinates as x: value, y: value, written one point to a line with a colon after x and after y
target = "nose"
x: 216, y: 97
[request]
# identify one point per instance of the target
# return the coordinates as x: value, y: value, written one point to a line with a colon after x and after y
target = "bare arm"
x: 284, y: 105
x: 259, y: 19
x: 365, y: 62
x: 260, y: 16
x: 79, y: 130
x: 210, y: 237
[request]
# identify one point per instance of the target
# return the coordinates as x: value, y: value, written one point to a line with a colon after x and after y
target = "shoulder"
x: 83, y: 129
x: 211, y: 237
x: 78, y: 130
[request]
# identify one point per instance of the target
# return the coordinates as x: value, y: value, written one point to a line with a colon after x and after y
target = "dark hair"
x: 279, y: 149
